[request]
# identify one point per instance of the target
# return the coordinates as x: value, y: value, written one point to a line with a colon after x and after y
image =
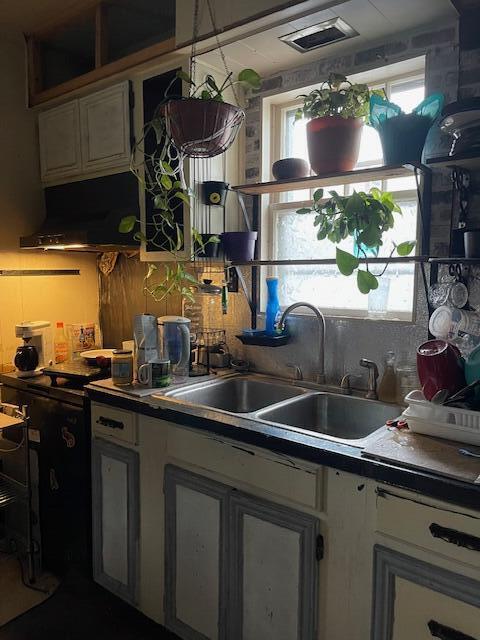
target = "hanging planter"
x: 202, y: 128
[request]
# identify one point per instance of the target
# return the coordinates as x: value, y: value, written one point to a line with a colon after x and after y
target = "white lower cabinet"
x: 115, y: 503
x: 237, y: 567
x: 415, y: 600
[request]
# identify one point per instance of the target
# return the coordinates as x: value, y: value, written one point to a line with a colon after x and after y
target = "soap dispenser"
x: 387, y: 389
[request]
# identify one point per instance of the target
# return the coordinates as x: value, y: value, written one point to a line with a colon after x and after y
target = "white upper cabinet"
x: 59, y: 138
x: 105, y: 128
x: 85, y: 136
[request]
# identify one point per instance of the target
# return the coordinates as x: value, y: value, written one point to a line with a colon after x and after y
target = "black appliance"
x: 60, y: 434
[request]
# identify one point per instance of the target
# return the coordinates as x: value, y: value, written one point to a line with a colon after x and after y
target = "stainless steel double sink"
x: 333, y: 416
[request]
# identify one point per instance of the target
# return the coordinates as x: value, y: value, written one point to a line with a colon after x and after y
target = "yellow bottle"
x: 60, y: 344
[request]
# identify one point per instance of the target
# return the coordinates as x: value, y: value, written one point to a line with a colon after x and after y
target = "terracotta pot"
x: 202, y: 128
x: 333, y: 143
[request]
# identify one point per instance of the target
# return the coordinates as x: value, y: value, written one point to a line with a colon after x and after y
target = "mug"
x: 144, y: 374
x: 160, y: 369
x: 440, y: 366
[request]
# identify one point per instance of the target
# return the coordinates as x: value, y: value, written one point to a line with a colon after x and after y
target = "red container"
x: 202, y: 128
x: 440, y: 366
x: 333, y: 143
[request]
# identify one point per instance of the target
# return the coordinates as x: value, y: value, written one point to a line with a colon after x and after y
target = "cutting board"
x: 426, y: 453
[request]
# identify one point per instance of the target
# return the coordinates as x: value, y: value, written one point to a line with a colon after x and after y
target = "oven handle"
x: 110, y: 423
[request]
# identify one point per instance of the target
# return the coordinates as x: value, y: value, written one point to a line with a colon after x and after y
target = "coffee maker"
x: 36, y: 351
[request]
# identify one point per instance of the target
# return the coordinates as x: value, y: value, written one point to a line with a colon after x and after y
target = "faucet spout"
x: 320, y: 375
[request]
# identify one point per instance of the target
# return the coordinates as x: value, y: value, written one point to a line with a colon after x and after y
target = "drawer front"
x: 421, y: 613
x: 415, y: 600
x: 114, y: 424
x: 451, y: 534
x: 290, y: 479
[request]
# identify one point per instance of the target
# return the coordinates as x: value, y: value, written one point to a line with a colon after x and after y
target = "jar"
x: 122, y: 367
x: 407, y: 380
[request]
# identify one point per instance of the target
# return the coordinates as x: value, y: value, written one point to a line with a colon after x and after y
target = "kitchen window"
x: 288, y: 236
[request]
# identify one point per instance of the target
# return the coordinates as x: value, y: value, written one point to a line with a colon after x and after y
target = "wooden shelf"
x: 465, y: 160
x: 320, y: 261
x: 329, y: 180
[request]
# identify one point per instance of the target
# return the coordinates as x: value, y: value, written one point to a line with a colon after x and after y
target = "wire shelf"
x: 10, y: 491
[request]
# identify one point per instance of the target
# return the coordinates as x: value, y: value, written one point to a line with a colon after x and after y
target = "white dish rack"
x: 451, y: 423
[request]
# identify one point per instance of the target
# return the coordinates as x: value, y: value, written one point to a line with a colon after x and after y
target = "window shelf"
x: 395, y: 260
x: 386, y: 172
x: 466, y: 161
x: 465, y: 261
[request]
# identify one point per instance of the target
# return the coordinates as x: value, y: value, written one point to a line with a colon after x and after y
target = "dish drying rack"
x: 14, y: 436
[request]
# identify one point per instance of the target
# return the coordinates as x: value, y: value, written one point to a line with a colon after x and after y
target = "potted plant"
x: 203, y: 125
x: 336, y: 112
x: 363, y: 216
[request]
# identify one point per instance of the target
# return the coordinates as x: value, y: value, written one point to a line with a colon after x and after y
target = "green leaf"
x: 317, y: 195
x: 127, y: 224
x: 304, y: 210
x: 185, y: 77
x: 167, y: 167
x: 159, y: 202
x: 182, y: 196
x: 140, y: 237
x: 206, y: 95
x: 151, y: 269
x: 366, y: 281
x: 346, y: 262
x: 250, y: 77
x: 166, y: 181
x: 406, y: 248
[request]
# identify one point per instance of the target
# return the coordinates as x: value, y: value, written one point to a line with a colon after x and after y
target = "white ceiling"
x: 372, y: 19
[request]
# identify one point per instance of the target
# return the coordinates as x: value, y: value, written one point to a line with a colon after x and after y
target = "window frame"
x: 275, y: 203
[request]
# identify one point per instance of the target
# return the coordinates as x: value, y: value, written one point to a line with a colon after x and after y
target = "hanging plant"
x: 160, y: 172
x: 365, y: 217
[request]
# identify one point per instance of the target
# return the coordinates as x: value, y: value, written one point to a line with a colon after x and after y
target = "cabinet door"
x: 415, y: 600
x: 195, y: 555
x: 274, y: 568
x: 105, y: 128
x: 115, y: 497
x: 59, y: 139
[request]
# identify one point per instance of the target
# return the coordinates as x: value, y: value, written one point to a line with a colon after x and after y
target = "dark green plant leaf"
x: 140, y: 237
x: 317, y: 195
x: 250, y: 77
x: 304, y: 210
x: 159, y: 202
x: 366, y: 281
x: 182, y: 196
x: 127, y: 224
x: 406, y: 248
x: 206, y: 95
x: 346, y: 262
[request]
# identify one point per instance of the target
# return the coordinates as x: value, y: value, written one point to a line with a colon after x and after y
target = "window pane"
x: 407, y: 93
x: 370, y: 147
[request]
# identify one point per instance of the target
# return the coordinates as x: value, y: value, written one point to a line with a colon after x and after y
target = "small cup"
x: 160, y: 372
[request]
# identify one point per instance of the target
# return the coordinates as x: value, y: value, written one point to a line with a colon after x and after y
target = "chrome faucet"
x: 320, y: 375
x: 372, y: 378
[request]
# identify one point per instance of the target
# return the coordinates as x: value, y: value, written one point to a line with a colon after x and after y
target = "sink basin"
x: 343, y: 417
x: 238, y: 395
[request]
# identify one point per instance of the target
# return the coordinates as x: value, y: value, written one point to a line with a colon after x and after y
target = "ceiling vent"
x: 320, y: 35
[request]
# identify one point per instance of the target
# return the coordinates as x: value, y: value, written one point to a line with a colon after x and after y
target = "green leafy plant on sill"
x: 337, y: 96
x: 365, y: 217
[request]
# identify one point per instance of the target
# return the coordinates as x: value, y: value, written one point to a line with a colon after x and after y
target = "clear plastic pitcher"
x: 174, y: 343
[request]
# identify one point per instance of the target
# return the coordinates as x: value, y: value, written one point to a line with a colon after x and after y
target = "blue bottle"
x: 273, y: 307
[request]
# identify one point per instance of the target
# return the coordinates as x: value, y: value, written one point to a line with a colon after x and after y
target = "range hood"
x: 84, y: 215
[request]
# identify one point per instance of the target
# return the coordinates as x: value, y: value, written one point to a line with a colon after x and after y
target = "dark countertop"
x: 296, y: 444
x: 64, y: 391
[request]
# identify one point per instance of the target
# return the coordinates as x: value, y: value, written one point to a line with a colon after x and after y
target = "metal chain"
x: 219, y: 46
x: 193, y: 51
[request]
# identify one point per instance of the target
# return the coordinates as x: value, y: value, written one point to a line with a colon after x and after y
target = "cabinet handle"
x: 110, y: 423
x: 442, y: 632
x: 455, y: 537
